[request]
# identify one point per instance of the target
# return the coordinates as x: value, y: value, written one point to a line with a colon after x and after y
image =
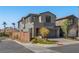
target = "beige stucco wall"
x: 50, y: 25
x: 72, y: 27
x: 43, y: 17
x: 60, y: 22
x: 38, y: 24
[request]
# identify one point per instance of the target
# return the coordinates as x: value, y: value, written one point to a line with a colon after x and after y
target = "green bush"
x: 42, y: 41
x: 3, y: 34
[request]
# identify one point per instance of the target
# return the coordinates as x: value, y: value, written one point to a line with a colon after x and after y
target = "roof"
x: 48, y: 12
x: 30, y: 15
x: 21, y: 19
x: 34, y: 15
x: 67, y: 17
x: 27, y: 17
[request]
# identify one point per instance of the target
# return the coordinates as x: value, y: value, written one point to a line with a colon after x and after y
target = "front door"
x: 61, y: 33
x: 30, y: 33
x: 37, y: 31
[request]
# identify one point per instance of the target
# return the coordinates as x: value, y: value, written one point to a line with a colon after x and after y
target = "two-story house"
x: 33, y: 22
x: 72, y: 25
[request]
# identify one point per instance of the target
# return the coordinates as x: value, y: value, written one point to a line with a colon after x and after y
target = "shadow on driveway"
x: 73, y: 48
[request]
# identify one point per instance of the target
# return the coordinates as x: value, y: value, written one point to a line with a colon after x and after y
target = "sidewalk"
x: 41, y: 48
x: 35, y: 48
x: 63, y: 42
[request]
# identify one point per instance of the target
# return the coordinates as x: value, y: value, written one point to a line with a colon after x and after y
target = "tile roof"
x: 70, y: 16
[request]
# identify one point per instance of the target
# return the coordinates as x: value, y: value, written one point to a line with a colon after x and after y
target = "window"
x: 40, y: 19
x: 48, y: 19
x: 24, y: 26
x: 34, y: 18
x: 71, y: 21
x: 37, y: 31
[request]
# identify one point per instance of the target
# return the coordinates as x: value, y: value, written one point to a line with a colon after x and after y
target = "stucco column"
x: 32, y: 27
x: 58, y: 32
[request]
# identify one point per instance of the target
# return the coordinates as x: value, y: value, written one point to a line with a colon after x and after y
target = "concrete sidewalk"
x: 63, y: 42
x: 41, y: 48
x: 37, y: 49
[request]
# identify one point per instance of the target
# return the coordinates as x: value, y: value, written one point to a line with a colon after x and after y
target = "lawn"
x: 43, y: 41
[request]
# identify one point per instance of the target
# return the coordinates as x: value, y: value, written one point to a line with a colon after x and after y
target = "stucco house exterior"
x: 72, y: 25
x: 33, y: 22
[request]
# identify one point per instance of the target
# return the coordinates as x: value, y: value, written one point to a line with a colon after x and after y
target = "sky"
x: 12, y: 14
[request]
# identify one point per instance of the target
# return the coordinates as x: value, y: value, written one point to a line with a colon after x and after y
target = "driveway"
x: 73, y: 48
x: 8, y: 46
x: 69, y: 46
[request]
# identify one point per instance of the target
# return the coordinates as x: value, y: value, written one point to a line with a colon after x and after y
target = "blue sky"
x: 11, y: 14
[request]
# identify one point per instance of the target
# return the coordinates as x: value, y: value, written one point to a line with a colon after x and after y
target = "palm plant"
x: 4, y: 24
x: 13, y: 25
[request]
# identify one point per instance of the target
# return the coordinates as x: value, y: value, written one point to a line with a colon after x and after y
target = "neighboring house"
x: 72, y: 27
x: 33, y: 22
x: 1, y: 30
x: 9, y: 30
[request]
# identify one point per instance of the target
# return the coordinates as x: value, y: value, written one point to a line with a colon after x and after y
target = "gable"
x: 47, y: 13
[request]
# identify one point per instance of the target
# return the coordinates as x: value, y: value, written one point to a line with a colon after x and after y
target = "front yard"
x: 43, y: 41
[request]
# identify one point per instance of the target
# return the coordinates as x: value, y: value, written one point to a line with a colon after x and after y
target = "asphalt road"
x: 8, y: 46
x: 74, y: 48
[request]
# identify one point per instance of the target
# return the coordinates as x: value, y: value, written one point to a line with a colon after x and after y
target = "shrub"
x: 44, y: 31
x: 42, y: 41
x: 3, y: 34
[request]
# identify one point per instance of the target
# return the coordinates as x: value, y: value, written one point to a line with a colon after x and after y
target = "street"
x: 8, y: 46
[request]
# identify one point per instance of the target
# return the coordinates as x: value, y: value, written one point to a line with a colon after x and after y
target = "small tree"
x: 44, y: 32
x: 4, y: 24
x: 13, y: 25
x: 65, y: 28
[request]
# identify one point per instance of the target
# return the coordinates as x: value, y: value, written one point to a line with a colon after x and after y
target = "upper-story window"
x: 28, y: 20
x: 40, y: 19
x: 71, y: 21
x: 34, y: 17
x: 48, y: 19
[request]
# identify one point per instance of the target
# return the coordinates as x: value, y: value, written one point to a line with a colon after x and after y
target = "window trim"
x: 48, y: 19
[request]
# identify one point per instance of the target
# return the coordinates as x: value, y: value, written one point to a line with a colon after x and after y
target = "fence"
x: 23, y: 37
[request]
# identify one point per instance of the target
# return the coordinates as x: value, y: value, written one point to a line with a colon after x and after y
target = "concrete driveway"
x: 8, y: 46
x: 73, y: 48
x: 69, y: 46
